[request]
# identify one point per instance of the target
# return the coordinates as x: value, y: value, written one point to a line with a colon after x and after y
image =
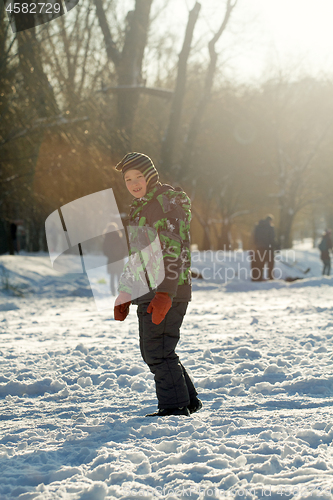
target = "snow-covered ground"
x: 74, y: 390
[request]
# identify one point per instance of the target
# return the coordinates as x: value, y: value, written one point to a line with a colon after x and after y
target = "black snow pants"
x: 174, y: 388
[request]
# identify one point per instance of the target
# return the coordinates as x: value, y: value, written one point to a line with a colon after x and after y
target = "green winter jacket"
x: 163, y: 215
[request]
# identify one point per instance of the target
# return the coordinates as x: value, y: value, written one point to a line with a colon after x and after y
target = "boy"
x: 166, y: 211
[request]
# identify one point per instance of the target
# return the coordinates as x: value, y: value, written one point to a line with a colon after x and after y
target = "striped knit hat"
x: 139, y: 161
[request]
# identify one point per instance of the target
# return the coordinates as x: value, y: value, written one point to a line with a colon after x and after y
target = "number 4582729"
x: 33, y: 8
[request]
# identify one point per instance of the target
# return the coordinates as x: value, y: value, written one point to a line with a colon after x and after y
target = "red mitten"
x: 121, y: 306
x: 159, y: 306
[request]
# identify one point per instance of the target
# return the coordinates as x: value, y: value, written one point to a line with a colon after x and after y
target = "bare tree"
x: 194, y: 129
x: 36, y: 84
x: 127, y: 61
x: 300, y: 128
x: 172, y: 131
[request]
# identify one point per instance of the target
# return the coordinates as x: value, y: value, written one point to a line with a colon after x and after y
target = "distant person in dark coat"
x: 325, y: 246
x: 115, y: 248
x: 264, y: 245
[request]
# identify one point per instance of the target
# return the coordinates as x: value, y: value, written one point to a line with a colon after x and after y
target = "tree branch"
x: 42, y: 124
x: 111, y: 49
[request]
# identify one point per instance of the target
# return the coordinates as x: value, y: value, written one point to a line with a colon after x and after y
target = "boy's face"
x: 136, y: 183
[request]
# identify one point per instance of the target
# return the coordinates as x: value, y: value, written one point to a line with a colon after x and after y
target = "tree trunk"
x: 10, y: 241
x: 285, y: 227
x: 224, y: 240
x: 329, y: 217
x: 172, y: 132
x: 36, y: 83
x: 189, y: 149
x: 206, y: 244
x: 41, y: 97
x: 130, y: 67
x: 33, y: 243
x: 128, y: 63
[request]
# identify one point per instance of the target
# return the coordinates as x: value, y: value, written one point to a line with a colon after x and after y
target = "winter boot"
x: 165, y: 412
x: 195, y: 405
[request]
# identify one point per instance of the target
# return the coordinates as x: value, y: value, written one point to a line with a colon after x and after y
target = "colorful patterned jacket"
x: 164, y: 212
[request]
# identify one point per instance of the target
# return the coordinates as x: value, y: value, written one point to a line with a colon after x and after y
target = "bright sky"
x: 298, y: 32
x: 266, y: 35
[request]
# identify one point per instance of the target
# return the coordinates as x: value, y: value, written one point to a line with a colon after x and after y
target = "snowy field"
x: 74, y: 390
